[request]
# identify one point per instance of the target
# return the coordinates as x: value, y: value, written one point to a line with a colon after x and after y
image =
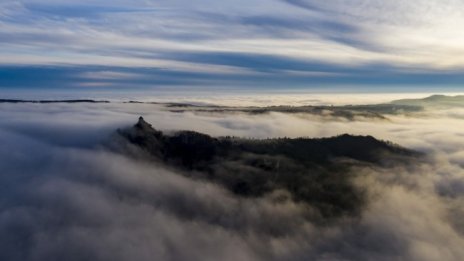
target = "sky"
x: 252, y: 44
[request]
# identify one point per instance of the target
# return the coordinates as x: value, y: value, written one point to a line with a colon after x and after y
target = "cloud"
x: 400, y: 42
x: 64, y: 197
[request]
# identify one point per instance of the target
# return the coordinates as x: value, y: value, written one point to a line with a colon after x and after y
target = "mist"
x: 65, y: 196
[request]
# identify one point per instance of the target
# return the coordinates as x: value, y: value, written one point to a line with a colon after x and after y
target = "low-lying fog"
x: 63, y: 197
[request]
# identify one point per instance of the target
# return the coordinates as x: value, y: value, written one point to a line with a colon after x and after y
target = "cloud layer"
x: 63, y: 197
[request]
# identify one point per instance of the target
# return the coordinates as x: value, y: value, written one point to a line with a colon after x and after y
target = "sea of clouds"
x: 64, y: 197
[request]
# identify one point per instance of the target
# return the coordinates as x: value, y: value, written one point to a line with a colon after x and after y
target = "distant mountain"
x: 434, y: 101
x: 50, y: 101
x: 350, y: 112
x: 315, y: 171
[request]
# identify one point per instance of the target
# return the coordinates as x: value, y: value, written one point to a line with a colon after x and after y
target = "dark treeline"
x: 315, y: 171
x: 51, y: 101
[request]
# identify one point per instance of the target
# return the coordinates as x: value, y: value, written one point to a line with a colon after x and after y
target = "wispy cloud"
x: 408, y: 38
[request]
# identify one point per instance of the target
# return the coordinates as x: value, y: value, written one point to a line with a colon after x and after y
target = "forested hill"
x: 316, y: 171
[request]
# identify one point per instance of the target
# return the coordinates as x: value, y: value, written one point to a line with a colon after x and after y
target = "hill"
x: 315, y: 171
x: 434, y: 101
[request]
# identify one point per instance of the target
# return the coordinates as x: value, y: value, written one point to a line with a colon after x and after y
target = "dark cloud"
x: 308, y: 5
x: 258, y: 72
x: 83, y: 11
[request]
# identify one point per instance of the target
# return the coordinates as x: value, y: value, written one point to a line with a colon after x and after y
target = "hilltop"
x: 315, y: 171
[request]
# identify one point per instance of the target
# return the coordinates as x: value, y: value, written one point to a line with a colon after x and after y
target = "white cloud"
x: 62, y: 196
x: 421, y: 34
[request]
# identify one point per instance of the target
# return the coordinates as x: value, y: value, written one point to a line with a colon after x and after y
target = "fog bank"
x: 64, y: 196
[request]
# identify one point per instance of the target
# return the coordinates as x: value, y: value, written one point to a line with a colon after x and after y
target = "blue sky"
x: 266, y: 44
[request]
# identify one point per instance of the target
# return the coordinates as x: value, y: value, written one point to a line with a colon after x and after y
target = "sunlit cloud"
x: 395, y: 38
x: 64, y: 193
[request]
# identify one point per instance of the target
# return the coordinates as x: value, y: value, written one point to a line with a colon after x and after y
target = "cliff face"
x: 315, y: 171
